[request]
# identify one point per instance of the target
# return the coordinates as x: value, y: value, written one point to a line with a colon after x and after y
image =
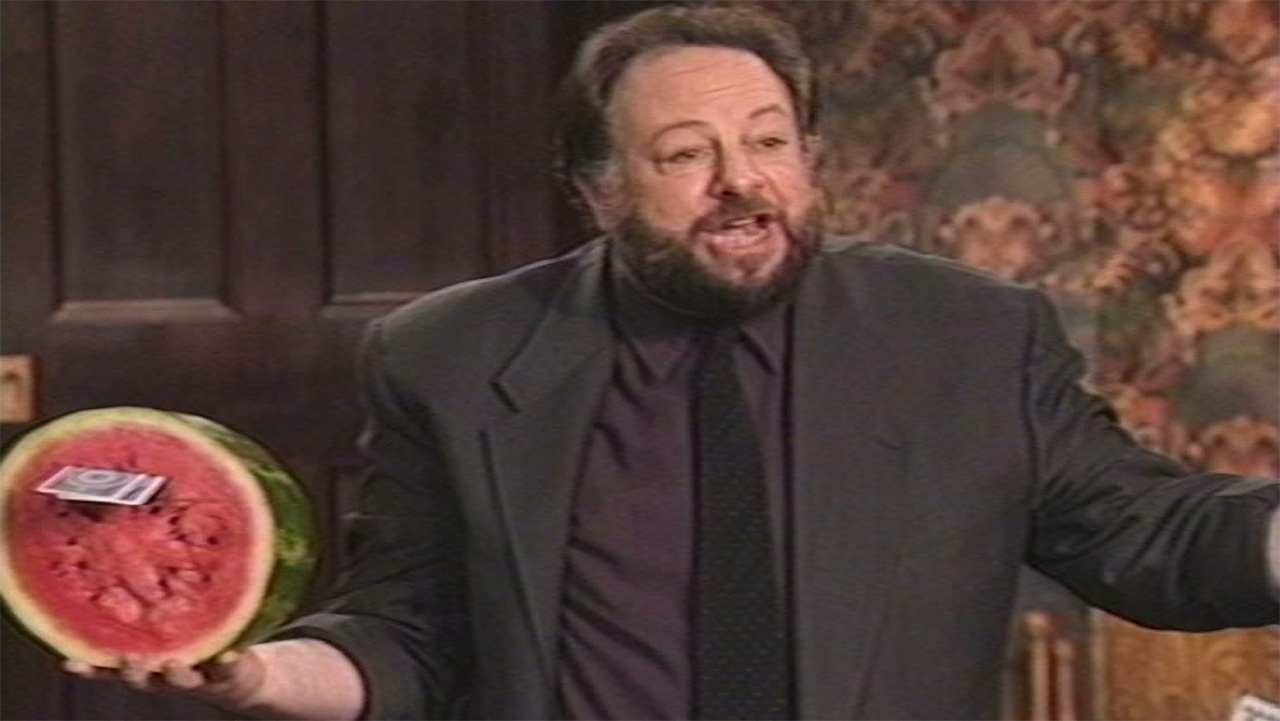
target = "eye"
x: 772, y: 142
x: 685, y: 156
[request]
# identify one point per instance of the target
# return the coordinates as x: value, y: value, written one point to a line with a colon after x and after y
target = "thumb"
x: 232, y: 677
x: 224, y: 666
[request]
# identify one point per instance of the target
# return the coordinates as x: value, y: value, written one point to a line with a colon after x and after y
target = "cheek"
x: 796, y: 190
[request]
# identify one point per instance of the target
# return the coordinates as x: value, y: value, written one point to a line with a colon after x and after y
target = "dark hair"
x: 583, y: 143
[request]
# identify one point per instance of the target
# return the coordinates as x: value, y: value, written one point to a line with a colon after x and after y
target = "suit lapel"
x: 848, y: 499
x: 552, y: 388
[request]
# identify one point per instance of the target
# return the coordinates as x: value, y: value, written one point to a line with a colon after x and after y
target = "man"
x: 543, y: 533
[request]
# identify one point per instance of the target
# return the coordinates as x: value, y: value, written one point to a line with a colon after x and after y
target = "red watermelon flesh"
x: 133, y: 578
x: 219, y: 557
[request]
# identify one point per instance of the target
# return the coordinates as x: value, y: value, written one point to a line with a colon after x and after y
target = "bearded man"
x: 701, y: 468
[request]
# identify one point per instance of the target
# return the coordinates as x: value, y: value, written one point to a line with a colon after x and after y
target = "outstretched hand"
x: 297, y: 678
x: 231, y: 680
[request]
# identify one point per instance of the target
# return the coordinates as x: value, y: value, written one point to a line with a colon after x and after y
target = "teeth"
x: 740, y: 235
x: 743, y: 222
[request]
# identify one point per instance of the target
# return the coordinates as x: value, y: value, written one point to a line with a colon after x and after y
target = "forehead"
x: 681, y: 84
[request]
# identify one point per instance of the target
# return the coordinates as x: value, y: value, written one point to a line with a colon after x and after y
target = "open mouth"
x: 739, y: 233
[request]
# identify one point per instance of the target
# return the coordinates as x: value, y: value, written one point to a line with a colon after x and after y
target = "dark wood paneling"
x: 273, y: 157
x: 32, y: 688
x: 26, y: 183
x: 518, y: 188
x: 401, y: 143
x: 220, y: 195
x: 139, y: 94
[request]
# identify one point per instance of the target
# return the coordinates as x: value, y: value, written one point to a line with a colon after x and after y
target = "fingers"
x: 181, y: 677
x: 140, y: 673
x: 224, y: 679
x: 137, y: 672
x: 132, y: 671
x: 80, y: 668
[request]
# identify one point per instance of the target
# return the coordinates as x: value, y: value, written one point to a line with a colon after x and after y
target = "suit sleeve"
x: 1128, y: 530
x: 398, y: 609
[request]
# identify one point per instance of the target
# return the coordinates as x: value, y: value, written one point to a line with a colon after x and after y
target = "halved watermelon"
x: 220, y: 557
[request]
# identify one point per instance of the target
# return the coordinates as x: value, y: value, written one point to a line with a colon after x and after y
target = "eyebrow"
x: 773, y: 108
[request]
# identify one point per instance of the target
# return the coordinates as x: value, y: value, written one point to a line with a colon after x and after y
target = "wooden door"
x: 204, y: 202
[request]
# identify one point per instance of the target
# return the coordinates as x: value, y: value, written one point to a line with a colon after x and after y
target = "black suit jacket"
x: 940, y: 441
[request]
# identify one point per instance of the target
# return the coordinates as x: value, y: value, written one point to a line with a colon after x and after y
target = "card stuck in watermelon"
x: 152, y: 533
x: 102, y: 485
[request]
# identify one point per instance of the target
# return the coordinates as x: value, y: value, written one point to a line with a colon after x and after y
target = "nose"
x: 737, y: 174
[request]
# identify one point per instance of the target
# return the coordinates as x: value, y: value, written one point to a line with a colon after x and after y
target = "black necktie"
x: 740, y: 648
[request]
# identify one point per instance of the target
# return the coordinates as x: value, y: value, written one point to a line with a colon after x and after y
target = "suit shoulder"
x: 924, y: 291
x: 909, y: 266
x: 472, y: 306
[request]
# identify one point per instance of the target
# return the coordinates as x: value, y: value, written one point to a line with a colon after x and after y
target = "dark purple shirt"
x: 624, y: 643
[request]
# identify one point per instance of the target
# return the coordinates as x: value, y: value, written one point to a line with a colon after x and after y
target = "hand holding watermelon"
x: 136, y: 533
x: 232, y: 680
x: 158, y: 549
x: 300, y: 678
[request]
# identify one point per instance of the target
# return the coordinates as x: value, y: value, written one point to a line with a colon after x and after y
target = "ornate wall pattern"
x: 1125, y: 158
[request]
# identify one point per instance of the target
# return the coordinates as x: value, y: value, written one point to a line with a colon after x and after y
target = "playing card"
x: 92, y: 483
x: 141, y: 491
x: 1254, y: 708
x: 76, y: 483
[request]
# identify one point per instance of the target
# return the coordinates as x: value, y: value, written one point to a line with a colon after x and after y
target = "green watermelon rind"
x: 293, y: 550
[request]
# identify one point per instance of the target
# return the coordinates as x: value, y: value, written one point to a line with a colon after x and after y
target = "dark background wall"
x: 203, y: 203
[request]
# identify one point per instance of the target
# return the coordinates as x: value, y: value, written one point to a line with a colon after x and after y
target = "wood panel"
x: 30, y: 691
x: 517, y: 189
x: 205, y: 202
x: 139, y: 98
x: 274, y: 157
x: 402, y: 149
x: 26, y: 184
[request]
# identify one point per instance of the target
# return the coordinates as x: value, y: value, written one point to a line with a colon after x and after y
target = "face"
x: 710, y: 195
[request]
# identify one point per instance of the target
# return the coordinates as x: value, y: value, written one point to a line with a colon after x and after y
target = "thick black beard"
x: 664, y: 268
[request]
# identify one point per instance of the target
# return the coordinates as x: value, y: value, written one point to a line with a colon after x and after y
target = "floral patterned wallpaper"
x: 1125, y: 157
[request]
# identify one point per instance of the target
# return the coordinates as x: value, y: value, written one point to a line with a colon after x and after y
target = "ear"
x: 600, y: 195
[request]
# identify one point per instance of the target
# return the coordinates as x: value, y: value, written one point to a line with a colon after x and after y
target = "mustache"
x: 735, y: 207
